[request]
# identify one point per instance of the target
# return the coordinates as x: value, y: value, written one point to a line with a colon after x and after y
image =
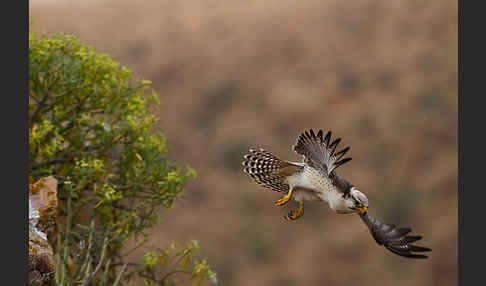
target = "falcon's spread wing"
x: 268, y: 170
x: 392, y: 238
x: 319, y: 151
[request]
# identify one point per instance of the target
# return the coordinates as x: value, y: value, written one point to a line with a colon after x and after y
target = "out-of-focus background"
x: 234, y: 74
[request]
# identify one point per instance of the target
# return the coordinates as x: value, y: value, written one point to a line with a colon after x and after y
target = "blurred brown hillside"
x: 381, y: 74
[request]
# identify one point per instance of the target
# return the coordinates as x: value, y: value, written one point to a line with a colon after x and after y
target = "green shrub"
x: 90, y: 127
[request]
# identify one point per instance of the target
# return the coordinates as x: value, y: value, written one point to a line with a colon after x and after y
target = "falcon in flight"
x: 315, y: 179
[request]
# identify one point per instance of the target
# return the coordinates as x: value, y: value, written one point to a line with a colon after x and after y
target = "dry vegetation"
x: 233, y: 74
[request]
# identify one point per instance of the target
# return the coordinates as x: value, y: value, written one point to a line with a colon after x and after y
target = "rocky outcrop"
x: 42, y: 225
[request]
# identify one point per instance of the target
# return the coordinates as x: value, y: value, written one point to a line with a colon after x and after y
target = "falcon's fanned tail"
x: 394, y: 239
x: 268, y: 170
x: 319, y: 151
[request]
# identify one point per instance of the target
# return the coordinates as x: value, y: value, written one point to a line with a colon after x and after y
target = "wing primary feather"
x: 394, y: 239
x: 319, y: 135
x: 333, y: 146
x: 341, y: 153
x: 406, y: 254
x: 320, y: 152
x: 412, y: 238
x: 312, y: 134
x: 343, y: 161
x: 398, y: 232
x: 327, y: 138
x: 419, y: 248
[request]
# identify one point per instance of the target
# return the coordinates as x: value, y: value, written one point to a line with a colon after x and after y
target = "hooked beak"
x: 363, y: 208
x: 360, y: 208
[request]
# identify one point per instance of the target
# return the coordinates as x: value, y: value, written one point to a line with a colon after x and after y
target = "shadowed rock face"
x: 42, y: 217
x: 41, y: 260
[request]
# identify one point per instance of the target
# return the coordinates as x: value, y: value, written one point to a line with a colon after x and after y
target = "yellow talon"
x: 295, y: 214
x: 285, y: 199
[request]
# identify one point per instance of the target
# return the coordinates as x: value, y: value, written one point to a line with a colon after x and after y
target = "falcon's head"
x: 357, y: 200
